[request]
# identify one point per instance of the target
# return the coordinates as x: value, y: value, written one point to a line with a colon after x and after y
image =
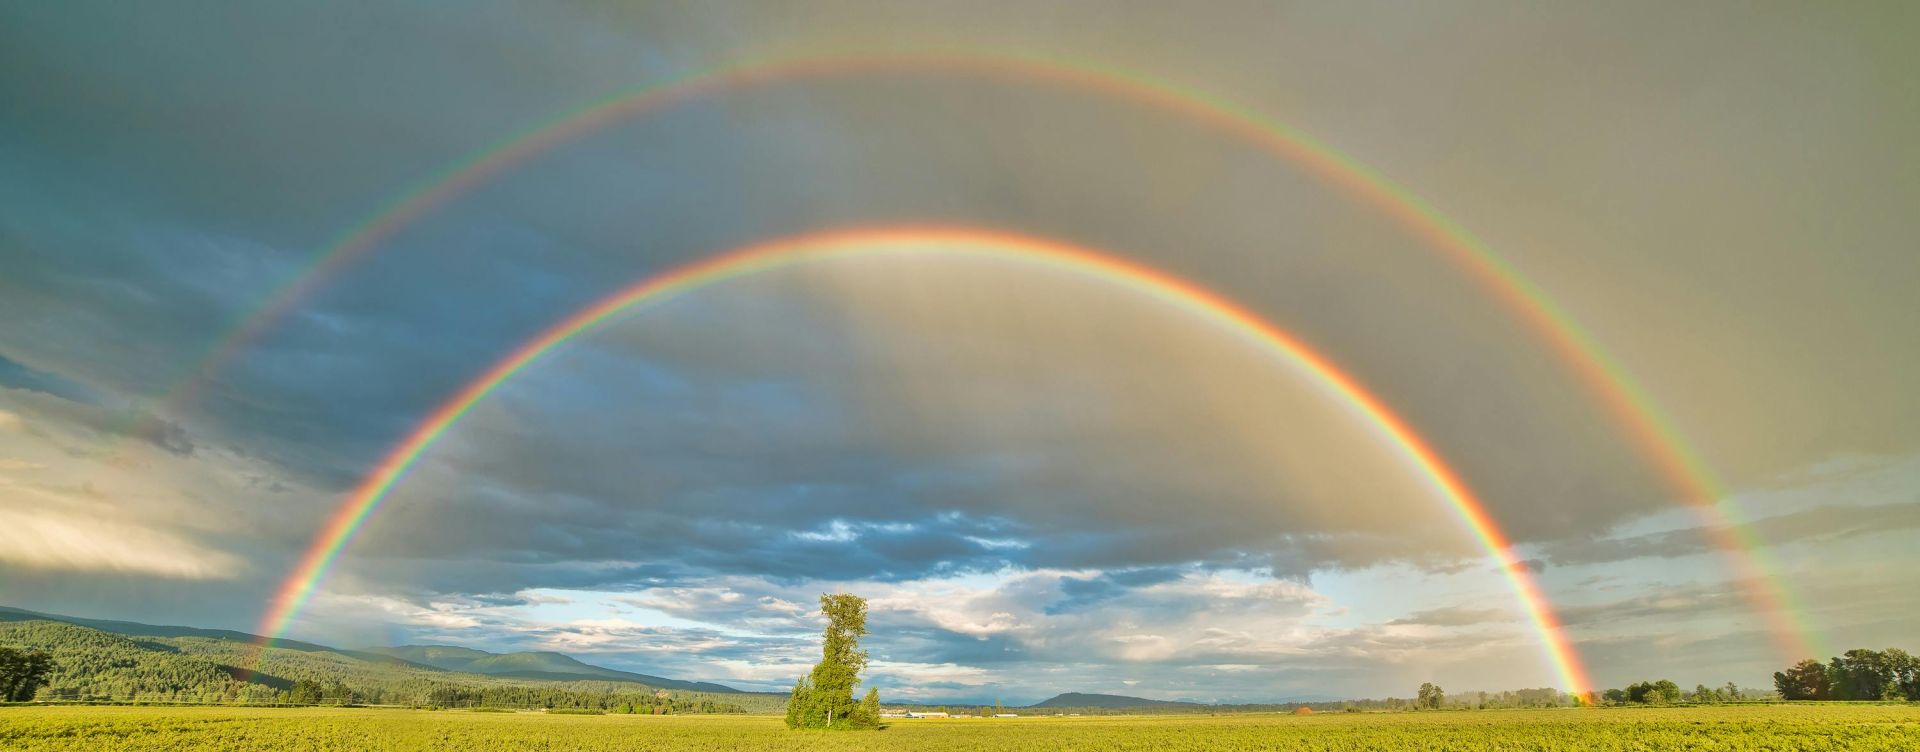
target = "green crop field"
x: 1782, y: 727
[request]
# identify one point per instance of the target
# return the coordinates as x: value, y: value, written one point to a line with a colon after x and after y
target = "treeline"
x: 89, y: 665
x: 1860, y: 674
x: 1665, y: 692
x: 1431, y: 697
x: 1542, y: 697
x: 550, y: 697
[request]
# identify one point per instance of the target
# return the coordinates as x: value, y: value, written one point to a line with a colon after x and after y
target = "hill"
x: 531, y: 665
x: 119, y: 661
x: 1084, y: 700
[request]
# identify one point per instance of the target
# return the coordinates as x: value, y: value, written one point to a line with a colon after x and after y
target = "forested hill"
x: 94, y: 664
x: 136, y: 629
x: 527, y: 665
x: 530, y: 665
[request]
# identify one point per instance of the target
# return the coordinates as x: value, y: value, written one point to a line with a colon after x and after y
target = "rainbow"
x: 1656, y: 435
x: 367, y: 497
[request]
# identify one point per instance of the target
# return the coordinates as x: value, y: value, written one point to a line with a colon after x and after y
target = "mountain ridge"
x: 1094, y: 700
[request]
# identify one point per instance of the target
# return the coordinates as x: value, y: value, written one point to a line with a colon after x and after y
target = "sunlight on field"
x: 1890, y: 727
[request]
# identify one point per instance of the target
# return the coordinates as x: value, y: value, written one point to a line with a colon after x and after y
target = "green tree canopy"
x: 1862, y: 674
x: 1905, y: 670
x: 1807, y: 680
x: 1430, y: 696
x: 22, y: 672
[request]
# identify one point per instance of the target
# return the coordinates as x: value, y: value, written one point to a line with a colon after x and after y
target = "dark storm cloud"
x: 135, y: 249
x: 1455, y: 616
x: 1083, y: 592
x: 922, y: 643
x: 70, y: 417
x: 20, y: 376
x: 1822, y: 524
x: 1690, y: 602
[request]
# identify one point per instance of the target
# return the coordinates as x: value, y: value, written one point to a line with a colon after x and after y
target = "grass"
x: 1787, y: 727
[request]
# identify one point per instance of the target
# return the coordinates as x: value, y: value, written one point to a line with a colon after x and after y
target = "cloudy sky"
x: 1042, y: 482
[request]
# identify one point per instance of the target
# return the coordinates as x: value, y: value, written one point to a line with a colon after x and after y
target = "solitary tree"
x: 22, y: 672
x: 1732, y: 692
x: 1430, y: 697
x: 824, y: 698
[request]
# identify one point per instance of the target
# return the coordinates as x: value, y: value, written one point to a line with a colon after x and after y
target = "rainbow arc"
x: 1016, y: 250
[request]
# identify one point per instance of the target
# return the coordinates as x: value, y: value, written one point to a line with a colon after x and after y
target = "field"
x: 1787, y: 727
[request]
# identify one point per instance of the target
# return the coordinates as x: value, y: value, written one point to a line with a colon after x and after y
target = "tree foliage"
x: 1430, y: 697
x: 824, y: 698
x: 1906, y: 673
x: 1662, y: 692
x: 1862, y: 675
x: 22, y: 672
x: 1858, y: 674
x: 1807, y: 680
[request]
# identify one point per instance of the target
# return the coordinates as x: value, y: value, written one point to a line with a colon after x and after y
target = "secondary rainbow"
x: 1652, y: 431
x: 367, y: 497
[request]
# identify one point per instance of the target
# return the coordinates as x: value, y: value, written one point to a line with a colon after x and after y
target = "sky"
x: 1042, y: 482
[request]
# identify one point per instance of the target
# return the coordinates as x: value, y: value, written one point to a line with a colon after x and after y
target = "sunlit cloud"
x: 61, y: 532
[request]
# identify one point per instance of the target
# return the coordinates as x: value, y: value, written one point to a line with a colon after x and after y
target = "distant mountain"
x: 1084, y: 700
x: 530, y: 665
